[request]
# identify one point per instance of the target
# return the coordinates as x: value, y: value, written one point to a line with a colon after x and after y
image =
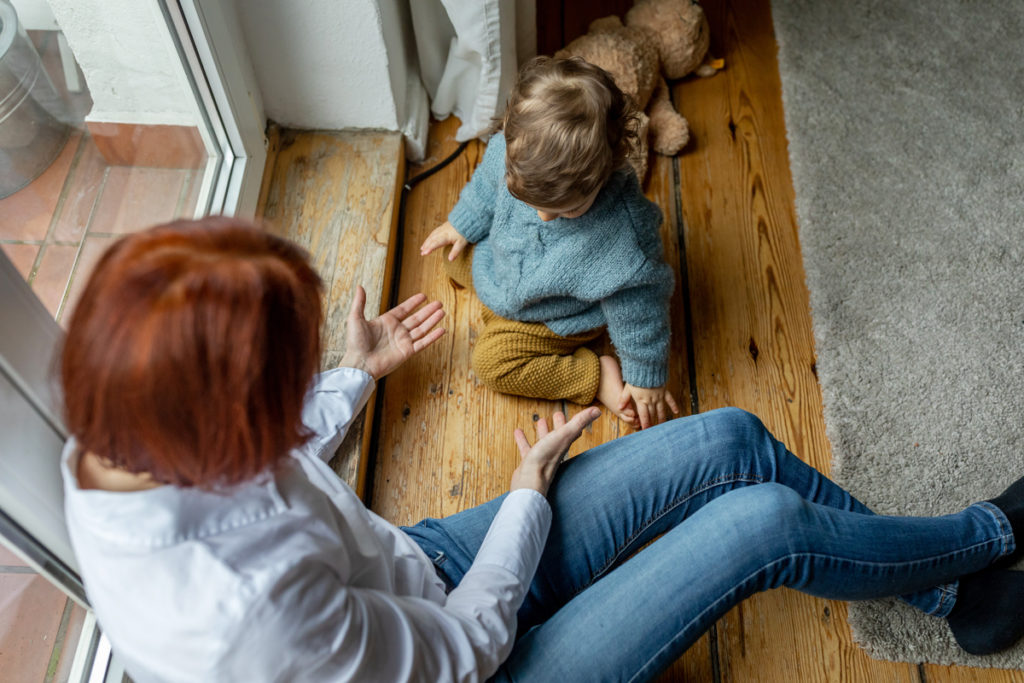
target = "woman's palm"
x: 380, y: 345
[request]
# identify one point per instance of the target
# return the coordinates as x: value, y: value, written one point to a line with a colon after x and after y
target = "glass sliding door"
x: 114, y: 115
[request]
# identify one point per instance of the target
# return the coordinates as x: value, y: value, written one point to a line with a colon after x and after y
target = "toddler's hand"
x: 650, y: 403
x: 442, y: 235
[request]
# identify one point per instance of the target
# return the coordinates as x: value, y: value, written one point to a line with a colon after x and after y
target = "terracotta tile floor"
x: 39, y: 625
x: 54, y: 229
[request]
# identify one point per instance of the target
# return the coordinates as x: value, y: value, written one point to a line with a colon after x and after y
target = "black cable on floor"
x: 396, y: 271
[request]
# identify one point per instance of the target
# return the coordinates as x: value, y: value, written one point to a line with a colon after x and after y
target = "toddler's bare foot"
x: 610, y: 388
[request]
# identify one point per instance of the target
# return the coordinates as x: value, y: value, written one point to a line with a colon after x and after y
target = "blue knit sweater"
x: 573, y: 274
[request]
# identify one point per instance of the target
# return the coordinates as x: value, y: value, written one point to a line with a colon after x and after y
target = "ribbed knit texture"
x: 528, y: 359
x: 604, y: 268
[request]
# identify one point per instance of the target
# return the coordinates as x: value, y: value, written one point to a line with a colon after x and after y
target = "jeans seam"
x: 671, y: 505
x: 1009, y: 543
x: 768, y: 567
x: 947, y: 598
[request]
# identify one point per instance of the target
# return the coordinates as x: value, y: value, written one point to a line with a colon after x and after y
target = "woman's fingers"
x: 420, y: 322
x: 662, y: 411
x: 423, y: 343
x: 356, y: 311
x: 402, y: 310
x: 542, y: 428
x: 524, y: 445
x: 585, y: 417
x: 672, y: 402
x: 560, y: 427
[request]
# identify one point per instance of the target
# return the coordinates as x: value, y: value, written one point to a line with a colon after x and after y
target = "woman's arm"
x: 310, y: 625
x: 331, y: 406
x: 333, y: 631
x: 373, y: 349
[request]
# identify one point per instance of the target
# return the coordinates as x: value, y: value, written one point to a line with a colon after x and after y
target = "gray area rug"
x: 906, y: 137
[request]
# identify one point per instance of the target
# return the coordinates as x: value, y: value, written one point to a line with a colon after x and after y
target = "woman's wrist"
x: 357, y: 361
x: 536, y: 478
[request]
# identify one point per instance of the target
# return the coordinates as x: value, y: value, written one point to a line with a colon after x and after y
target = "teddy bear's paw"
x: 671, y: 133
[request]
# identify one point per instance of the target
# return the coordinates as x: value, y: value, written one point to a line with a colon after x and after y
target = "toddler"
x: 565, y: 245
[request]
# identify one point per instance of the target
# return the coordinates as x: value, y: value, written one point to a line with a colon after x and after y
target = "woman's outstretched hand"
x: 540, y: 461
x: 380, y: 345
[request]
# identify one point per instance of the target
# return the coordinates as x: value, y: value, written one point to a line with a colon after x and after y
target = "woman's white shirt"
x: 290, y: 577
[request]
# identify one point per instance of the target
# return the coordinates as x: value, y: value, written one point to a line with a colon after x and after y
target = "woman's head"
x: 191, y: 350
x: 567, y: 128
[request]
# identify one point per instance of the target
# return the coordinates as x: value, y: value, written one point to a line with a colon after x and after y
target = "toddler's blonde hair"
x: 568, y: 127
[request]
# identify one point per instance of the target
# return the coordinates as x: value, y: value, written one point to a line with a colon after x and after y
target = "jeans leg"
x: 615, y: 498
x: 644, y: 614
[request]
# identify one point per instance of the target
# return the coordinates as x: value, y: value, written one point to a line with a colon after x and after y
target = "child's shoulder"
x: 496, y: 143
x: 494, y: 153
x: 624, y: 186
x: 626, y: 195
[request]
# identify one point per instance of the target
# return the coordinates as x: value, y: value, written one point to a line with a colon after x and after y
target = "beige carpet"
x: 906, y: 133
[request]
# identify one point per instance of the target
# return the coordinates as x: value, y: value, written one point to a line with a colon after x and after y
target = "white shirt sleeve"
x: 335, y: 632
x: 331, y: 406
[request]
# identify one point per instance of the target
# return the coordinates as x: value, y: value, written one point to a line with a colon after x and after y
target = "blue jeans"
x: 739, y: 513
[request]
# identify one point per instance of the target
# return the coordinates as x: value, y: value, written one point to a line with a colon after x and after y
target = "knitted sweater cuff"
x: 471, y: 223
x: 646, y: 375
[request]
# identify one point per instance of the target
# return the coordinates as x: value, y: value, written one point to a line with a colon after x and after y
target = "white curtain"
x: 469, y: 51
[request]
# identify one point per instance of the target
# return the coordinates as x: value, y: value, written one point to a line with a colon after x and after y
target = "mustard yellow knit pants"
x: 528, y: 359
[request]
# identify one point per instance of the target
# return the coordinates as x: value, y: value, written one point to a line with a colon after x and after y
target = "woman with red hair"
x: 216, y: 544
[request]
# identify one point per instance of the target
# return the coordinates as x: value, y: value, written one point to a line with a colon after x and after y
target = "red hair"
x: 191, y: 350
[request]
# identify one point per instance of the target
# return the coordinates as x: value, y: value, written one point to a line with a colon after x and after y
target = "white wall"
x: 129, y: 60
x: 320, y: 63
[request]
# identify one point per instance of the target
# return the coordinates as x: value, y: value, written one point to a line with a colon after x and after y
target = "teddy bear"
x: 660, y: 39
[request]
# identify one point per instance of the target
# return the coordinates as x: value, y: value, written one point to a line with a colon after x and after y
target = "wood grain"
x: 335, y: 195
x: 699, y: 662
x: 273, y: 147
x: 751, y: 329
x: 753, y: 344
x: 445, y: 441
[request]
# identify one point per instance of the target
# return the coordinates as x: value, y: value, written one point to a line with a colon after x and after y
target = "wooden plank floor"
x: 334, y: 194
x: 444, y: 441
x: 752, y: 339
